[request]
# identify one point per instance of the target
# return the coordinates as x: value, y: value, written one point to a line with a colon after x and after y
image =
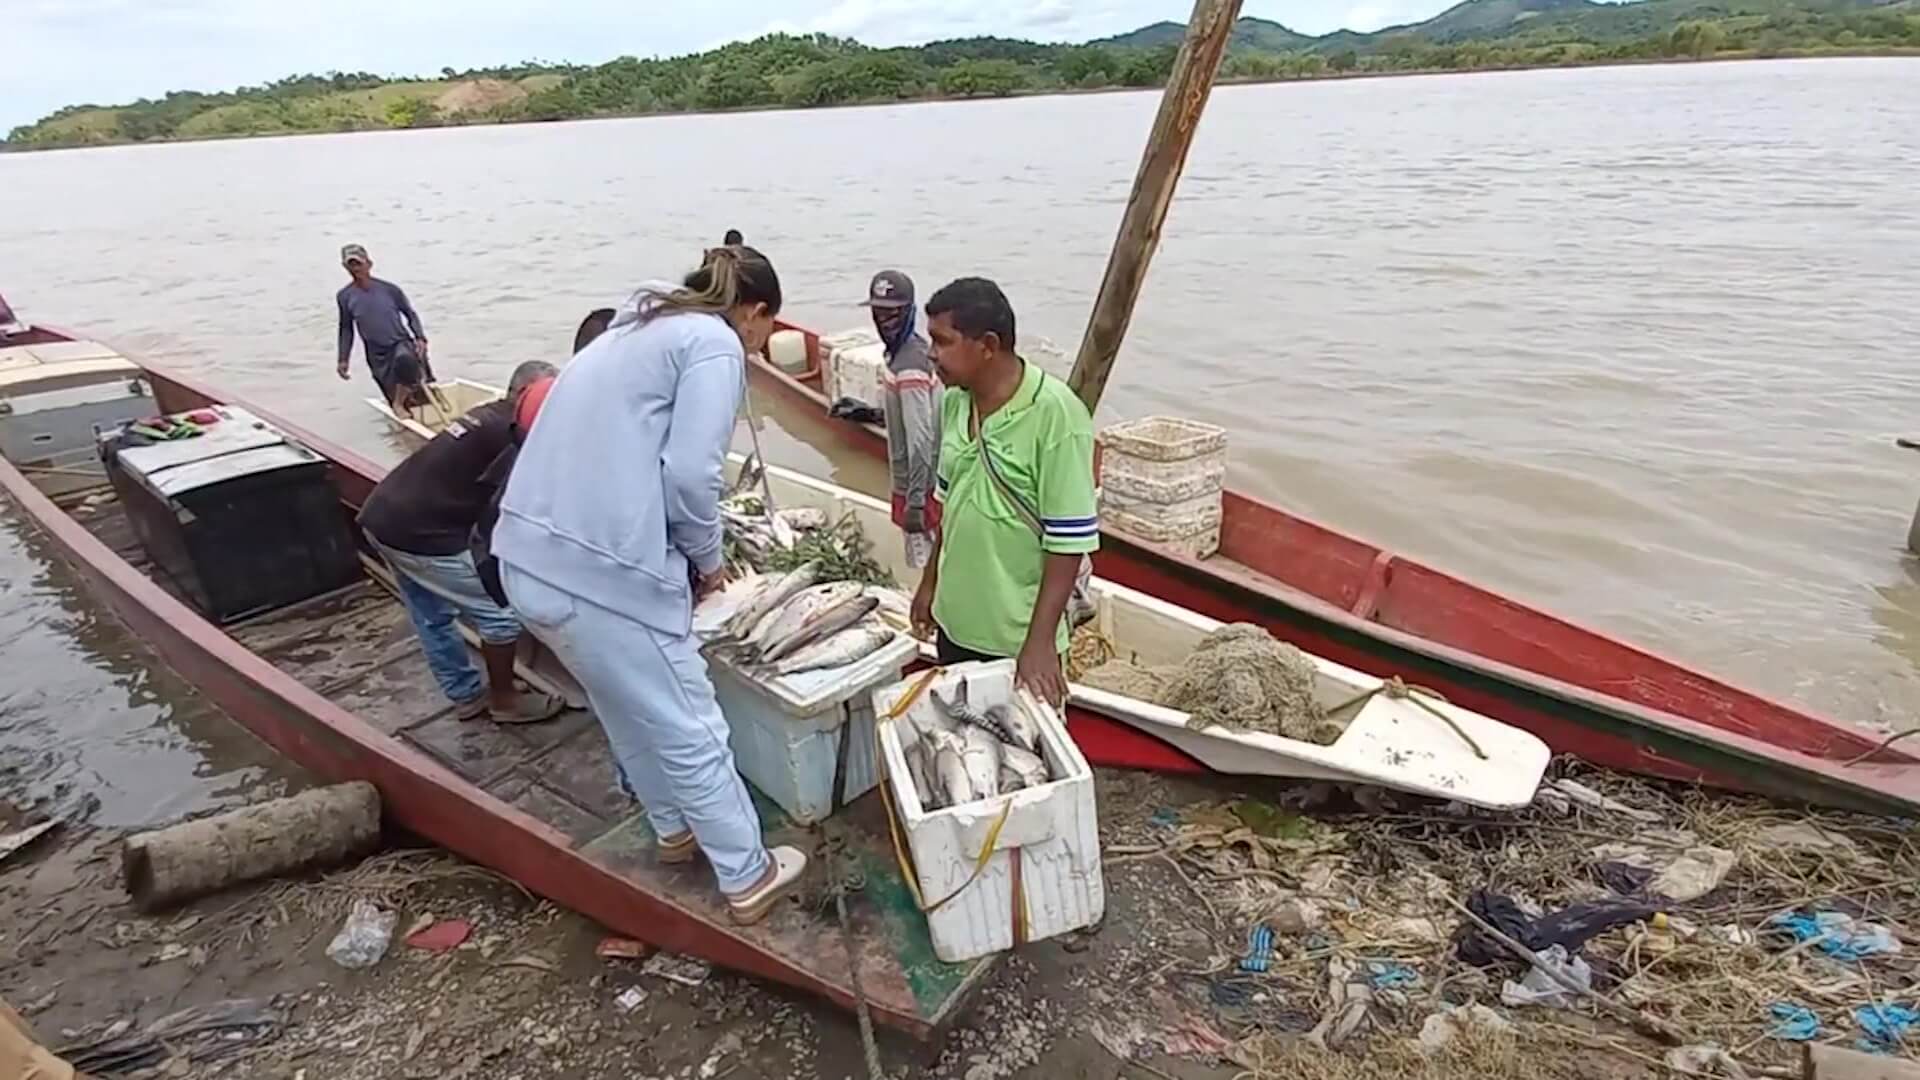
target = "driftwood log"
x: 1835, y: 1063
x: 322, y: 827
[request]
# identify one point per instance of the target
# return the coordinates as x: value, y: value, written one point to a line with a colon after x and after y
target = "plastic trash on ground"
x: 1838, y: 935
x: 1538, y: 988
x: 1794, y: 1023
x: 363, y: 941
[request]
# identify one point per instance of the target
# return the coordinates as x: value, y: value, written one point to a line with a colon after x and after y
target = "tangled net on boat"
x: 1238, y: 678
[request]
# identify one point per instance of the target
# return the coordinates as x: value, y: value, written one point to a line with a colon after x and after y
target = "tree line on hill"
x: 795, y: 71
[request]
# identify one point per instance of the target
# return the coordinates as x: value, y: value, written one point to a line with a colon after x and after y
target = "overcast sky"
x: 62, y: 52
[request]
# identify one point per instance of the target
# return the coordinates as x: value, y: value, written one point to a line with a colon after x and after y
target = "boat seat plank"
x: 581, y: 769
x: 531, y: 797
x: 393, y: 696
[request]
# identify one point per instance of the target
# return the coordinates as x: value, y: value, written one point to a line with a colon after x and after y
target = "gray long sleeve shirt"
x: 912, y: 409
x: 382, y: 313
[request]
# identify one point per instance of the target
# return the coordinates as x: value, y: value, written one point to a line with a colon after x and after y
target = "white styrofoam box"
x: 856, y: 366
x: 1053, y: 829
x: 786, y: 731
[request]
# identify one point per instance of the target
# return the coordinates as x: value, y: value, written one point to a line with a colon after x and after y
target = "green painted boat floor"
x: 358, y: 648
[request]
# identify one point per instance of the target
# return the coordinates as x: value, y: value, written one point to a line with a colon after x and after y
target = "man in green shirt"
x: 1015, y: 484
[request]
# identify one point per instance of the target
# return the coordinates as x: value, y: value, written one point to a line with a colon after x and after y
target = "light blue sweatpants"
x: 655, y: 702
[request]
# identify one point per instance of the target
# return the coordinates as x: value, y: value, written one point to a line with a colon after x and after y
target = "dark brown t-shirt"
x: 430, y: 503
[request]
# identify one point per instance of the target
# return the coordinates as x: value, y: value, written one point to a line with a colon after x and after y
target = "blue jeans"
x: 437, y: 590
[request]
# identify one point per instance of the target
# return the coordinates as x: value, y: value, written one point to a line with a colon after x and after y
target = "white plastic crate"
x: 1052, y: 830
x: 1163, y: 481
x: 786, y: 733
x: 1196, y: 537
x: 1164, y: 439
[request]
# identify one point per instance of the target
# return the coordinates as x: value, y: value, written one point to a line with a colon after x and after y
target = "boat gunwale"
x: 418, y: 793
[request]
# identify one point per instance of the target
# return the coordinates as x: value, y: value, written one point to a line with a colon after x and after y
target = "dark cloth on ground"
x: 1571, y: 928
x: 430, y: 502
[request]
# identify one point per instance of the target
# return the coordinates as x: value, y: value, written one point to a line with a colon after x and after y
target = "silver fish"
x: 847, y: 646
x: 1027, y: 769
x: 777, y: 592
x: 1014, y: 727
x: 1008, y: 725
x: 917, y: 771
x: 782, y: 621
x: 823, y: 625
x: 981, y: 757
x: 951, y: 784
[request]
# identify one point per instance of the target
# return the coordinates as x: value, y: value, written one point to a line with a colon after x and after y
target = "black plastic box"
x: 240, y: 519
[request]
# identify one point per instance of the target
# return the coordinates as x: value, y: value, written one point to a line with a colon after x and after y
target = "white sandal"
x: 782, y: 876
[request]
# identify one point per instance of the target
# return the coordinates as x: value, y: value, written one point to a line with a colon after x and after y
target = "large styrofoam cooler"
x: 856, y: 367
x: 1053, y: 830
x: 1161, y: 480
x: 786, y: 732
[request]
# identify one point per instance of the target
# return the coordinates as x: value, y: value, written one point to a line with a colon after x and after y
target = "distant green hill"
x: 788, y: 71
x: 1248, y: 33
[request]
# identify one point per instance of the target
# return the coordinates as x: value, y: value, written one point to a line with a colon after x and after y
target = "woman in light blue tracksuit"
x: 609, y: 532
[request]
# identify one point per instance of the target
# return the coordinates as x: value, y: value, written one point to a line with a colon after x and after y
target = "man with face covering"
x: 912, y: 408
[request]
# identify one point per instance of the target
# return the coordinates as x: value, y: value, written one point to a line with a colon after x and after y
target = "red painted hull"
x: 1582, y: 692
x: 417, y: 792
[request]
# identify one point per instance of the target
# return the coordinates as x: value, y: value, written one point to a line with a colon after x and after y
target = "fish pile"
x: 963, y: 754
x: 786, y: 624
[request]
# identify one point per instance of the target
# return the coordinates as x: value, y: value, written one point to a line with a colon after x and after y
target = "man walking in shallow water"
x: 389, y: 328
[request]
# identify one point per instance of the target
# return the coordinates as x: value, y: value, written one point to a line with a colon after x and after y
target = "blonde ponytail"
x: 728, y: 276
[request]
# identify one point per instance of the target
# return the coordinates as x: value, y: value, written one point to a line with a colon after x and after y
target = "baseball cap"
x: 352, y: 252
x: 890, y: 289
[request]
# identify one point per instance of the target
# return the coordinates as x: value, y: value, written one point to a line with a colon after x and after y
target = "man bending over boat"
x: 420, y: 519
x: 911, y: 406
x: 610, y: 530
x: 1016, y: 491
x: 389, y: 327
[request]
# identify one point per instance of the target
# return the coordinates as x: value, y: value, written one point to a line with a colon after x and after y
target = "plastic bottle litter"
x: 1540, y: 989
x: 364, y: 939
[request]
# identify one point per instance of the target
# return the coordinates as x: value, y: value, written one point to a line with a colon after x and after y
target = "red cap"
x: 530, y: 401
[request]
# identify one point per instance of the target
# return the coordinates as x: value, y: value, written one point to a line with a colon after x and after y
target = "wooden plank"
x: 1188, y: 88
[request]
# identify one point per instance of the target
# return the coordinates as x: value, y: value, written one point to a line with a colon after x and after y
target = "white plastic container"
x: 786, y: 733
x: 856, y: 367
x: 788, y: 351
x: 1161, y: 480
x: 1052, y: 831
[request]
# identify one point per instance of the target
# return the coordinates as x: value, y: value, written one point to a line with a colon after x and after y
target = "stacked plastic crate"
x: 1160, y: 481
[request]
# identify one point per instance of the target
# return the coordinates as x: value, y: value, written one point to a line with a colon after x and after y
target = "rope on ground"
x: 841, y: 881
x: 1397, y: 690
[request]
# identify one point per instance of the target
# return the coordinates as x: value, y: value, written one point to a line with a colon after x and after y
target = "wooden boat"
x: 337, y: 684
x: 1365, y: 607
x: 1425, y: 746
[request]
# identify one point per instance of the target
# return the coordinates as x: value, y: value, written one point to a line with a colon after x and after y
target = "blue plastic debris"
x: 1164, y: 818
x: 1795, y: 1023
x: 1388, y: 976
x: 1885, y: 1026
x: 1841, y: 936
x: 1259, y: 949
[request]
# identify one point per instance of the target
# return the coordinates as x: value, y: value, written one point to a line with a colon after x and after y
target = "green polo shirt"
x: 991, y: 559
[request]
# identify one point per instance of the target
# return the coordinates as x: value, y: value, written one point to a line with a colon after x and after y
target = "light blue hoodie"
x: 618, y: 486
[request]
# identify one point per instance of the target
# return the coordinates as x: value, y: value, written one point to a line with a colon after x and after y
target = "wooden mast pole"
x: 1186, y: 96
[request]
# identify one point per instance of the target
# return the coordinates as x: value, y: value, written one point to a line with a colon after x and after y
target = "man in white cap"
x: 912, y: 410
x: 390, y: 329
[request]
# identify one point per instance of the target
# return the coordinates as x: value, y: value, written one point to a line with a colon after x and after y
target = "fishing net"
x: 1238, y: 677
